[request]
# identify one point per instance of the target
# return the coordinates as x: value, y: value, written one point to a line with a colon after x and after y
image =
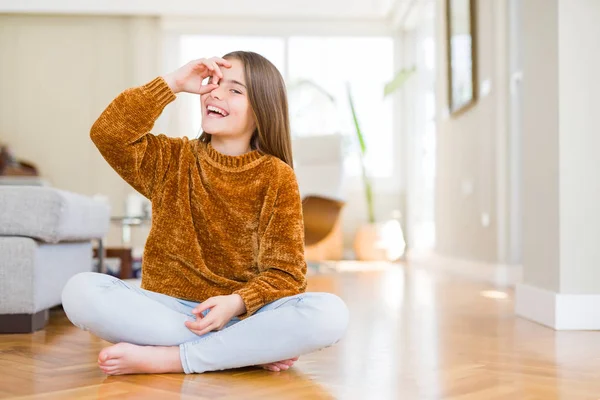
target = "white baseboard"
x: 557, y: 310
x: 496, y: 274
x: 536, y: 304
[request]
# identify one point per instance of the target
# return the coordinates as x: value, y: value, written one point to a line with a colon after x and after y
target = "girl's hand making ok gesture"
x: 189, y: 77
x: 222, y: 310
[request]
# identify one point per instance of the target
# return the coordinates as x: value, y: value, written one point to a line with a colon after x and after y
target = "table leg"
x: 126, y: 264
x: 101, y: 254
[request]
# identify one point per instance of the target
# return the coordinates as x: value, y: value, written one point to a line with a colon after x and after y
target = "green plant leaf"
x: 398, y: 81
x: 363, y: 152
x: 361, y: 139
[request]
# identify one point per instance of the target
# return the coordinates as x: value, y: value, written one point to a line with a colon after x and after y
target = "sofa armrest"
x: 51, y: 215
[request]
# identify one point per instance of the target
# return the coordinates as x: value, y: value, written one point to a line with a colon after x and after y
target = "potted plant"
x: 375, y: 241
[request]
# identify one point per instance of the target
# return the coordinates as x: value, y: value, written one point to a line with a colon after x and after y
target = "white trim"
x: 557, y: 310
x: 235, y: 26
x: 501, y: 168
x: 535, y: 304
x: 515, y: 134
x: 496, y: 274
x: 243, y: 8
x: 400, y: 11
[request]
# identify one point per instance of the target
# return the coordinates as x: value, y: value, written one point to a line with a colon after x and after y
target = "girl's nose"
x: 216, y: 93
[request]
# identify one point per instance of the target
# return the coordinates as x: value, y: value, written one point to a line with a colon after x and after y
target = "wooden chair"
x: 322, y: 228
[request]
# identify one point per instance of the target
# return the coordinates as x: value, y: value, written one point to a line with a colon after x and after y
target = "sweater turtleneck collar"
x: 231, y: 161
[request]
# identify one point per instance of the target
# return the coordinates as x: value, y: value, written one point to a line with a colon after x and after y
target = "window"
x: 328, y: 63
x: 366, y: 64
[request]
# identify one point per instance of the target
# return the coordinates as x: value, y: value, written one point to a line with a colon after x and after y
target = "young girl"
x: 223, y: 268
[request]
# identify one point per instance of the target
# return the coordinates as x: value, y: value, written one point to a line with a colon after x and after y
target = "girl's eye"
x: 236, y: 91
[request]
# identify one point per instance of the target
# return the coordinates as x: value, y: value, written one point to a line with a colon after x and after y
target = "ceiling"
x: 373, y: 10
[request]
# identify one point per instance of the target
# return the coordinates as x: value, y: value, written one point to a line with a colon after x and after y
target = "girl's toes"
x: 113, y: 352
x: 110, y: 370
x: 108, y: 363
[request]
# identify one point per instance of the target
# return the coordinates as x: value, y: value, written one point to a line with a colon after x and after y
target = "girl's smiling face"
x: 226, y: 110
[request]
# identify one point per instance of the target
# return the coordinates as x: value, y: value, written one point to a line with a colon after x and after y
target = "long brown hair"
x: 268, y: 100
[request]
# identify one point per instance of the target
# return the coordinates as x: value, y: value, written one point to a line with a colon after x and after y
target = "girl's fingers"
x: 200, y: 64
x: 199, y: 324
x: 203, y: 90
x: 223, y: 62
x: 199, y: 313
x: 216, y: 73
x: 210, y: 67
x: 209, y: 303
x: 208, y: 64
x: 203, y: 330
x: 205, y: 68
x: 210, y: 328
x: 217, y: 70
x: 217, y: 62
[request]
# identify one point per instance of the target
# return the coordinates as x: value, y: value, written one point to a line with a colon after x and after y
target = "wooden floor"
x: 414, y: 334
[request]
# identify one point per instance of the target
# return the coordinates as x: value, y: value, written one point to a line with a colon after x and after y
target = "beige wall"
x: 468, y: 146
x: 540, y: 144
x: 57, y: 74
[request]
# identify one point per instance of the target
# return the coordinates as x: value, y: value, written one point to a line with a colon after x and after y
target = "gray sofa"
x: 46, y: 237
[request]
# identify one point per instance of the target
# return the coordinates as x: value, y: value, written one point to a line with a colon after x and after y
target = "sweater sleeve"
x: 122, y: 135
x: 281, y: 251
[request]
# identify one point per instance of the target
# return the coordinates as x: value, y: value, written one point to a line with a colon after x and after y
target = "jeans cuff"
x: 183, y: 358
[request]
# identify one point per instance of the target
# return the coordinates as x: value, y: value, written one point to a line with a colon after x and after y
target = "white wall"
x: 579, y: 141
x: 560, y: 164
x: 561, y: 189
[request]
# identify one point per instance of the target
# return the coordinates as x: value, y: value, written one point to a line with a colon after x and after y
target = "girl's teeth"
x: 216, y: 110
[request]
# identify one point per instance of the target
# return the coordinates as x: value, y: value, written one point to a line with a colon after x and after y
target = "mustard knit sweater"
x: 220, y: 224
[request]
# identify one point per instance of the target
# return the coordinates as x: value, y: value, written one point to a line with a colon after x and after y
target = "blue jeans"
x: 117, y: 311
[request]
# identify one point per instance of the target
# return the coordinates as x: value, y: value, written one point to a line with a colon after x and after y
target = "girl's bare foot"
x: 126, y: 358
x: 280, y: 365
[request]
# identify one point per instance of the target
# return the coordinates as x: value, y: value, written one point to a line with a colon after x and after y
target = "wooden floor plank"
x: 414, y: 334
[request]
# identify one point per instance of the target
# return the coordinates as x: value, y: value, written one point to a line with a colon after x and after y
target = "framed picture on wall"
x: 462, y: 59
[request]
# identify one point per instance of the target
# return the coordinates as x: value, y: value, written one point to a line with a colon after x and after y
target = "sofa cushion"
x: 51, y: 215
x: 33, y: 274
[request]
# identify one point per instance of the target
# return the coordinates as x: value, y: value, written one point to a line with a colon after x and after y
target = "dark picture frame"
x: 462, y: 55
